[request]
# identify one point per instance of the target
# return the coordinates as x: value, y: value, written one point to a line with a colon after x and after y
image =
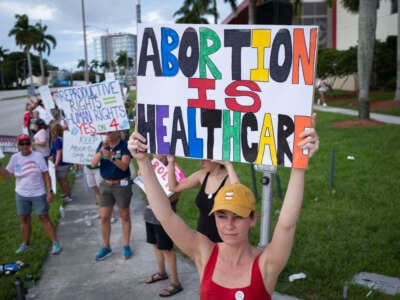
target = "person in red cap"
x: 32, y: 190
x: 233, y: 268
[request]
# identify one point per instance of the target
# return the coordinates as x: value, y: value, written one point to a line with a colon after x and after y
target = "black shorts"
x: 156, y: 235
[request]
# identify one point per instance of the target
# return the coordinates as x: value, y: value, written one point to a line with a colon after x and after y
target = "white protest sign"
x: 44, y: 114
x: 46, y: 97
x: 161, y: 172
x: 78, y: 148
x: 8, y: 144
x: 227, y: 92
x: 52, y: 173
x: 109, y: 76
x: 94, y: 108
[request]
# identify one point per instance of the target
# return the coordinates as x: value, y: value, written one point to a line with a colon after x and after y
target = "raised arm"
x: 189, y: 241
x: 232, y: 175
x: 277, y: 253
x: 189, y: 182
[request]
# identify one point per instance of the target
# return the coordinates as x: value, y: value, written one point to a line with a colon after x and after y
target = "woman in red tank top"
x: 232, y: 269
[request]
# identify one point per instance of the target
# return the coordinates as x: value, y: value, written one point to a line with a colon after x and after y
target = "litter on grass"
x: 385, y: 284
x: 297, y: 276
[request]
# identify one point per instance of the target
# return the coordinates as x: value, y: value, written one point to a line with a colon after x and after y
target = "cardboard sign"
x: 109, y: 76
x: 78, y: 148
x: 226, y: 92
x: 46, y: 97
x: 8, y: 144
x: 52, y: 174
x: 161, y: 171
x: 94, y: 108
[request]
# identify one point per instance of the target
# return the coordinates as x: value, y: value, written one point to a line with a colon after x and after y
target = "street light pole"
x: 84, y: 42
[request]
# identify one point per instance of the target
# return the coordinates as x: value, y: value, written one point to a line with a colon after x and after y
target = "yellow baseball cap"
x: 236, y: 198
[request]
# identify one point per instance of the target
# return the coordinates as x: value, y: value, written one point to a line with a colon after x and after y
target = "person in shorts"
x: 93, y: 180
x: 32, y: 191
x: 163, y: 247
x: 114, y: 158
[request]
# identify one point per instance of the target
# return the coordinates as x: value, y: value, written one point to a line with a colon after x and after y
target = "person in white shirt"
x: 32, y: 190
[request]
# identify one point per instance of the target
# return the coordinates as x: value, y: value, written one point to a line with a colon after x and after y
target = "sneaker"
x: 127, y: 252
x: 55, y: 248
x: 103, y: 253
x: 113, y: 220
x: 67, y: 199
x: 22, y: 248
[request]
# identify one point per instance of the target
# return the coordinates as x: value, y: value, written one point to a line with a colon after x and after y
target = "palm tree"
x: 3, y: 53
x: 213, y: 3
x: 192, y: 11
x: 43, y: 44
x: 94, y: 65
x: 25, y: 35
x: 108, y: 66
x: 123, y: 60
x: 81, y: 64
x: 365, y: 50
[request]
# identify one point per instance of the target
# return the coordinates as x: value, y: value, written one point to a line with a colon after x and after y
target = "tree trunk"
x: 365, y: 53
x: 252, y: 10
x: 28, y: 55
x: 397, y: 95
x: 43, y: 80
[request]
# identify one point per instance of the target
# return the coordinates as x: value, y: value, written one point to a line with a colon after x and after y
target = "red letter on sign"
x: 202, y: 84
x: 231, y: 90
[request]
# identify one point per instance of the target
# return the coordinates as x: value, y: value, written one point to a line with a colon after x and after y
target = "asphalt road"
x: 12, y: 112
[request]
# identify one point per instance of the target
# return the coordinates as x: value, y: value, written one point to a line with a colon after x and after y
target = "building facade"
x: 107, y: 47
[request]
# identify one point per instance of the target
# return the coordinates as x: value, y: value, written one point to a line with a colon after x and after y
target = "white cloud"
x: 34, y: 11
x: 154, y: 17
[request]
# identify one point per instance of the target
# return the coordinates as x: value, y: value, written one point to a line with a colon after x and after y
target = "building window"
x: 394, y: 7
x: 315, y: 13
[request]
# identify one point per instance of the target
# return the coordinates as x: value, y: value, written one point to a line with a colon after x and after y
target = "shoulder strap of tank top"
x: 210, y: 266
x: 203, y: 185
x: 222, y: 182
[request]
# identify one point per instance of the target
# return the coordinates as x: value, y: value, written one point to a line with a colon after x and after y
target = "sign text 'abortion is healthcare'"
x: 232, y: 92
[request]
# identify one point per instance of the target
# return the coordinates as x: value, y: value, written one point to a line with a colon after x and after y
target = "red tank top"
x: 210, y: 290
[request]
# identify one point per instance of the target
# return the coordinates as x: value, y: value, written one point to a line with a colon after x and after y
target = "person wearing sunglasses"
x: 32, y: 190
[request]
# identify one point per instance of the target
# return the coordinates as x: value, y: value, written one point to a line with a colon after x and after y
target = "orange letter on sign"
x: 300, y: 159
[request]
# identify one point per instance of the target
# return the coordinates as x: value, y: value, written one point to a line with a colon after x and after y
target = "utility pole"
x: 266, y: 203
x: 86, y: 71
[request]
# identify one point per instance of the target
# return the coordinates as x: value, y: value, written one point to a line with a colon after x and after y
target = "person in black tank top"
x: 205, y: 223
x: 212, y: 177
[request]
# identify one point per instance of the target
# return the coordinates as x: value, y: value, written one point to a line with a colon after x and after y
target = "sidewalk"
x: 74, y: 274
x: 379, y: 117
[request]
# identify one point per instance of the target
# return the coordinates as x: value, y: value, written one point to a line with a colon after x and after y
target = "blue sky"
x: 64, y: 21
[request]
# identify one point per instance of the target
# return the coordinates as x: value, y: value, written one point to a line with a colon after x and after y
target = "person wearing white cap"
x: 232, y: 269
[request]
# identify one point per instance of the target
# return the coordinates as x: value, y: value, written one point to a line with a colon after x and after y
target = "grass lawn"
x: 10, y: 237
x: 349, y: 100
x: 350, y: 228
